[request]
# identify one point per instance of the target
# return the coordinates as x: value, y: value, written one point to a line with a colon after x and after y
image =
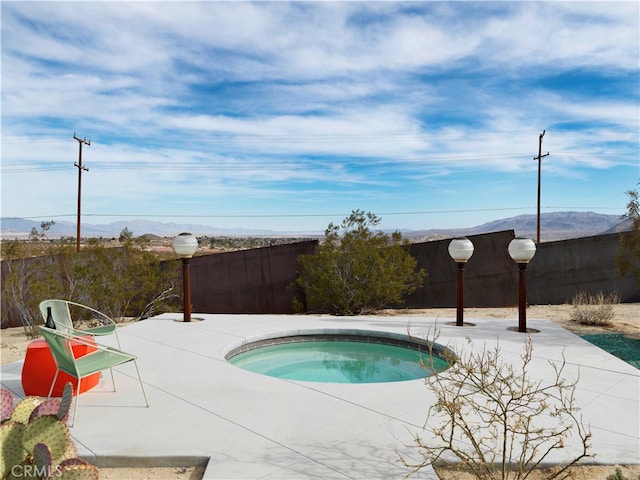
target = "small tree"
x: 628, y: 256
x: 36, y: 236
x: 126, y: 235
x: 357, y: 270
x: 492, y: 419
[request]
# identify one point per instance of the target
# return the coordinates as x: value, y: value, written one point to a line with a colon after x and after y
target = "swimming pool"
x: 363, y: 357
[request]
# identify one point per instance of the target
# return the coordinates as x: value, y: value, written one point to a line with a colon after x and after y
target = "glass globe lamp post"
x: 522, y: 251
x: 185, y: 245
x: 460, y: 250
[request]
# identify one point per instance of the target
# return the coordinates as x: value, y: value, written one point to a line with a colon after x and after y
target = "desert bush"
x: 596, y: 310
x: 619, y: 475
x: 121, y: 282
x: 357, y: 270
x: 493, y: 420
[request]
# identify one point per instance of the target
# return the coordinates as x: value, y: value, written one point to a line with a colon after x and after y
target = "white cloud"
x: 315, y: 96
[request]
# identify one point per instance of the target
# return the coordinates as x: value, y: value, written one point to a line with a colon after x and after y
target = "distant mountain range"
x: 20, y: 227
x: 554, y: 226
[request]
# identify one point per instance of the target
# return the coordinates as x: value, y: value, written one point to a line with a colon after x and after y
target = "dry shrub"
x: 596, y: 310
x: 493, y: 420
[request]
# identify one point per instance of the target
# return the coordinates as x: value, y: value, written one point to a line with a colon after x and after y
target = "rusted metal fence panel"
x: 490, y: 278
x: 247, y: 281
x: 258, y: 280
x: 562, y: 269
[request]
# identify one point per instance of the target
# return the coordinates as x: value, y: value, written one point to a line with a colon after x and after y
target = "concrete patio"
x: 247, y: 426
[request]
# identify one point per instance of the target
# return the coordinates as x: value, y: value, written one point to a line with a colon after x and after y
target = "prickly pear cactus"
x: 65, y: 403
x: 48, y: 430
x: 36, y: 439
x: 49, y: 407
x: 42, y: 457
x: 71, y: 451
x: 76, y: 469
x: 22, y: 410
x: 11, y: 451
x: 55, y: 406
x: 6, y: 404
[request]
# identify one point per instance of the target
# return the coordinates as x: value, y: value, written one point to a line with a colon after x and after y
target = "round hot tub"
x: 341, y: 357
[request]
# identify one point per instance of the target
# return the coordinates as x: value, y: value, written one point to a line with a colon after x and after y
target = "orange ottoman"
x: 39, y: 369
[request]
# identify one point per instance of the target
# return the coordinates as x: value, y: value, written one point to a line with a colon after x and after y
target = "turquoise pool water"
x: 339, y: 361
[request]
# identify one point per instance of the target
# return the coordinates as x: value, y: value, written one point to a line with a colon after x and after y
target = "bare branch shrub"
x: 23, y: 283
x: 493, y: 420
x: 594, y: 310
x: 123, y: 282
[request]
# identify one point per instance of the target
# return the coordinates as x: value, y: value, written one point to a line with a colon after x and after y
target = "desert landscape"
x: 626, y: 320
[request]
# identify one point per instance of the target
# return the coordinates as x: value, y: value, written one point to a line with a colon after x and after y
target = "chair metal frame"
x: 102, y: 358
x: 62, y: 318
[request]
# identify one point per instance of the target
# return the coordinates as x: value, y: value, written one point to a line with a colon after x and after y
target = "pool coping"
x: 336, y: 334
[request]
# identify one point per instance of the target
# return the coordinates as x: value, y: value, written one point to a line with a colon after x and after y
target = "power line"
x: 301, y: 215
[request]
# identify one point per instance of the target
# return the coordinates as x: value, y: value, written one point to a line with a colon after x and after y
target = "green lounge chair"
x: 103, y: 357
x: 62, y: 317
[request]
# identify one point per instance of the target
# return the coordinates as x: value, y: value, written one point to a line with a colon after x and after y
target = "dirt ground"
x: 626, y: 316
x: 626, y: 320
x: 629, y: 472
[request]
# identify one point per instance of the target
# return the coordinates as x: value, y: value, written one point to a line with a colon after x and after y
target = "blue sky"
x: 288, y: 116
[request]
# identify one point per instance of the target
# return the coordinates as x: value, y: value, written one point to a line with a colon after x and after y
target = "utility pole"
x: 81, y: 141
x: 539, y: 158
